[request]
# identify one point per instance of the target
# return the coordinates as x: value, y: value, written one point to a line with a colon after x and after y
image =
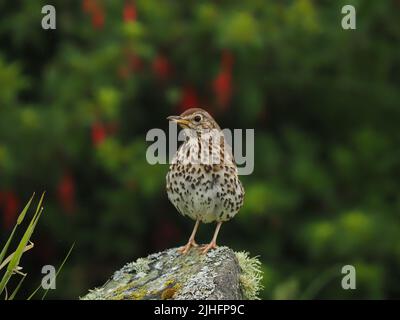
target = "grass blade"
x: 23, y: 213
x: 20, y: 249
x: 5, y: 248
x: 19, y: 221
x: 62, y: 264
x: 34, y: 292
x: 17, y: 288
x: 6, y: 261
x: 60, y: 267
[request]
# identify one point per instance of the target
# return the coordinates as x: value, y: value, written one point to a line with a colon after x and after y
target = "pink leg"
x: 191, y: 243
x: 213, y: 243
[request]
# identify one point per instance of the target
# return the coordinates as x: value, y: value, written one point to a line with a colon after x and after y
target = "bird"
x: 202, y: 182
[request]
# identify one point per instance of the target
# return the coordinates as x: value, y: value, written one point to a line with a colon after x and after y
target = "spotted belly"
x: 203, y: 194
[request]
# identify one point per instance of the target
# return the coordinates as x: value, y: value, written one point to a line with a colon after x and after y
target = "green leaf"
x: 21, y: 246
x: 5, y: 248
x: 19, y: 221
x: 17, y: 288
x: 23, y: 213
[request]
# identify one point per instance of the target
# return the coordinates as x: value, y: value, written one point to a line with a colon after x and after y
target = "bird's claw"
x: 212, y: 245
x: 185, y: 249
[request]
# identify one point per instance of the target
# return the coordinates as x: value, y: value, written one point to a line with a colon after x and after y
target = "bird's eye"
x: 197, y: 118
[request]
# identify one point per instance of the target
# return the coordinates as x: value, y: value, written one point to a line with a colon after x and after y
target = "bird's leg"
x: 213, y: 243
x: 191, y: 242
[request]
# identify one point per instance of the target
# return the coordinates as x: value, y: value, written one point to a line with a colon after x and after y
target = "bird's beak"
x: 184, y: 123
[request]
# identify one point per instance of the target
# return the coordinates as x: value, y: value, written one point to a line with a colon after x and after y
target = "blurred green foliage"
x: 76, y: 103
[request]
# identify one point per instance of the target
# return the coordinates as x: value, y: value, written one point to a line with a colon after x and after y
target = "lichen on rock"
x: 220, y: 274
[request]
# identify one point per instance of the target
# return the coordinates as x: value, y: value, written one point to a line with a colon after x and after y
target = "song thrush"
x: 202, y: 181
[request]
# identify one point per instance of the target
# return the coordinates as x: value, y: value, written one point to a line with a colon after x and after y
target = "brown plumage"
x: 202, y: 182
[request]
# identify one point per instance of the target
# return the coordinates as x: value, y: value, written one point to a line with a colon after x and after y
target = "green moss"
x: 251, y: 275
x: 169, y: 282
x: 128, y: 292
x: 136, y: 294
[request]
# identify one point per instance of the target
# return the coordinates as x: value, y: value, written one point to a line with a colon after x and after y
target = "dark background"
x: 77, y: 102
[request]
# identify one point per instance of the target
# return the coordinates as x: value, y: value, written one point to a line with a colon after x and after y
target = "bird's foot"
x: 185, y: 249
x: 212, y: 245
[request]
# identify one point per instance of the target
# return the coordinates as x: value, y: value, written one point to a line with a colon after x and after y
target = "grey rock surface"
x: 171, y: 275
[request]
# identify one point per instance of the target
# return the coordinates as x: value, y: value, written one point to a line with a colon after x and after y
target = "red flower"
x: 223, y: 87
x: 98, y: 17
x: 189, y: 99
x: 94, y: 9
x: 161, y: 67
x: 10, y: 208
x: 222, y: 84
x: 66, y: 192
x: 98, y: 133
x: 129, y: 13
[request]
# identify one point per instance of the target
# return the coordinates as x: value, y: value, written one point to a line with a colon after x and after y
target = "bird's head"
x: 196, y: 119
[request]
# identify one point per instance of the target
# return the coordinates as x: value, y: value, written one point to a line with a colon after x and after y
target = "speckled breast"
x: 208, y: 192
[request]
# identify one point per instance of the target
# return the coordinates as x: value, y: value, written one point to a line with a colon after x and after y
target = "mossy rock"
x: 218, y: 275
